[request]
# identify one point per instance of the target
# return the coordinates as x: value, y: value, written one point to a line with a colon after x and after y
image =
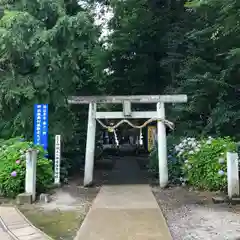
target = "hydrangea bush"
x: 200, y: 163
x: 204, y: 161
x: 13, y: 167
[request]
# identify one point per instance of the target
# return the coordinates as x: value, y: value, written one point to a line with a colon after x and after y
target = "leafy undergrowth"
x: 57, y: 224
x: 13, y: 167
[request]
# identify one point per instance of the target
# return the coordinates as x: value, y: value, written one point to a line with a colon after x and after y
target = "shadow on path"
x: 126, y: 171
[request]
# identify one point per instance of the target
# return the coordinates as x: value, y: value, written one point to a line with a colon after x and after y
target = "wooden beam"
x: 132, y: 99
x: 120, y: 115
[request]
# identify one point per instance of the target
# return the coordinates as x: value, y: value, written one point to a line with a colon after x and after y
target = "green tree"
x: 179, y: 47
x: 210, y: 70
x: 47, y: 52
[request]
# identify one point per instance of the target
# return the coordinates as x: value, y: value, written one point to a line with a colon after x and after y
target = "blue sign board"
x: 41, y: 125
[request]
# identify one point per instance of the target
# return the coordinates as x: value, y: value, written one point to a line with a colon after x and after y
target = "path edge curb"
x: 7, y: 229
x: 25, y: 219
x: 165, y: 222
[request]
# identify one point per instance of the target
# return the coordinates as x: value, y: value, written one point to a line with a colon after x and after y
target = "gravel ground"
x: 192, y: 215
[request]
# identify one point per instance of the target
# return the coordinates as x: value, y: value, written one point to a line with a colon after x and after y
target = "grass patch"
x: 60, y: 225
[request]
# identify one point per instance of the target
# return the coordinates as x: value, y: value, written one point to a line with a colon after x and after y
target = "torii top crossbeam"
x: 132, y: 99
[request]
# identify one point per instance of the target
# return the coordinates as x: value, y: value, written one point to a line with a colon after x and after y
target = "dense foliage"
x: 47, y: 51
x: 198, y: 163
x: 204, y: 161
x: 13, y: 167
x: 180, y: 47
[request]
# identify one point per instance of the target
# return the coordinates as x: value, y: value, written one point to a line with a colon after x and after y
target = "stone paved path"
x: 125, y: 208
x: 14, y: 226
x: 124, y: 212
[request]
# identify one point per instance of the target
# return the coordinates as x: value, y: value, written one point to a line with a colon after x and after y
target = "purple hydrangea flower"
x: 14, y: 174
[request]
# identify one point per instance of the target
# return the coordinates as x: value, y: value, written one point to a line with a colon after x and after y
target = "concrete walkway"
x: 124, y: 212
x: 126, y: 171
x: 14, y: 226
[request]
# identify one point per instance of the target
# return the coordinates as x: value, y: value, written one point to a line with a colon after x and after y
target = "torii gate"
x: 93, y: 114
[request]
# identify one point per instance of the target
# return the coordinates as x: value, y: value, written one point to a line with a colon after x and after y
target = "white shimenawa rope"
x: 112, y: 128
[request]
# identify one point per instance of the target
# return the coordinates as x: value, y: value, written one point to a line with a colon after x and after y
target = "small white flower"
x: 209, y: 142
x: 191, y: 152
x: 197, y: 149
x: 194, y: 144
x: 186, y: 161
x: 21, y: 151
x: 222, y: 153
x: 177, y: 149
x: 221, y: 160
x: 189, y: 166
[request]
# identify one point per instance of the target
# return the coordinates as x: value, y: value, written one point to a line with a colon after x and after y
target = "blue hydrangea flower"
x: 221, y: 172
